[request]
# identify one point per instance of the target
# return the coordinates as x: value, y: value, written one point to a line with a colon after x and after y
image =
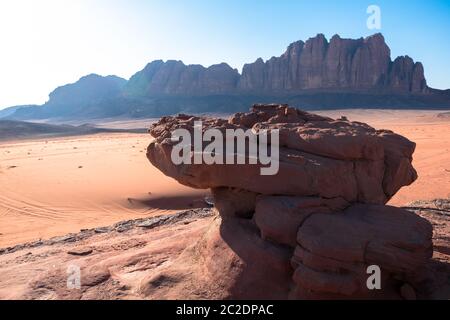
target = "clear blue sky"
x: 48, y: 43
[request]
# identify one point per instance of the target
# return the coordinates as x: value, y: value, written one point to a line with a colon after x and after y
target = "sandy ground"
x: 53, y: 187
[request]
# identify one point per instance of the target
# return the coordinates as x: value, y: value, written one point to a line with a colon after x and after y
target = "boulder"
x: 318, y: 227
x: 317, y: 156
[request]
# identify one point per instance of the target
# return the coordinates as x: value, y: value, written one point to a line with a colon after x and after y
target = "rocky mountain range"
x: 340, y: 73
x: 341, y: 64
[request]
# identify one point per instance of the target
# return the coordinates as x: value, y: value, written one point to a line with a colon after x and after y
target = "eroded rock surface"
x: 192, y: 255
x: 318, y: 156
x: 314, y: 229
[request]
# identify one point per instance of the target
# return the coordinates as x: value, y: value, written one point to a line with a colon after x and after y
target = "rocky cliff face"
x: 174, y: 77
x: 340, y: 64
x: 340, y: 73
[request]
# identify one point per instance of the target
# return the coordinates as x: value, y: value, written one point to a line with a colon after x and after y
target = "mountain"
x: 75, y: 99
x: 362, y: 65
x: 10, y: 110
x: 87, y: 90
x: 174, y: 77
x: 341, y: 64
x: 316, y: 74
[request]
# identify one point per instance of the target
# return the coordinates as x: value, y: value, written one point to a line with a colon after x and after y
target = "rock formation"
x: 314, y: 229
x: 174, y: 77
x: 341, y: 64
x: 350, y: 65
x: 315, y: 74
x: 176, y: 257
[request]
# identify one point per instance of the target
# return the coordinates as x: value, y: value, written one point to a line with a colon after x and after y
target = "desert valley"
x: 104, y: 179
x: 101, y: 179
x: 172, y: 151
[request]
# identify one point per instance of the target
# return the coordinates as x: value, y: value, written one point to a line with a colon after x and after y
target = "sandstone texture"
x: 313, y: 230
x: 318, y: 156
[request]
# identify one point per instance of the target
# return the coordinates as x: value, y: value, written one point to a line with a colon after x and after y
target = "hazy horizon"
x: 49, y: 43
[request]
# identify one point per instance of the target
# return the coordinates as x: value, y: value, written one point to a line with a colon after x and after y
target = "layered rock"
x: 318, y: 156
x: 313, y: 229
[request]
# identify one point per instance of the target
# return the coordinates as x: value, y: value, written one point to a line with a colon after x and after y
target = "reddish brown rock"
x: 279, y: 218
x: 234, y: 202
x: 318, y: 156
x: 345, y: 244
x: 311, y: 230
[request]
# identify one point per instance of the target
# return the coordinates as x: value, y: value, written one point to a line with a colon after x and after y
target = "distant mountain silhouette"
x: 316, y: 74
x: 76, y: 100
x: 12, y: 129
x: 9, y: 111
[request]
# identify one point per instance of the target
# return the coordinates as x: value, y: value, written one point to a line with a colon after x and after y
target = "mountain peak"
x: 346, y: 67
x: 376, y: 37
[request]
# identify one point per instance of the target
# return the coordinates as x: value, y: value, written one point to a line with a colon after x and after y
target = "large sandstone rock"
x: 318, y: 156
x: 314, y: 229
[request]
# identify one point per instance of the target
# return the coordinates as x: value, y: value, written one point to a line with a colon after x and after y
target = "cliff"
x: 361, y: 65
x: 316, y: 74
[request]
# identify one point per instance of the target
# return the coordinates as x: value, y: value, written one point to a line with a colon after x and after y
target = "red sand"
x: 51, y: 188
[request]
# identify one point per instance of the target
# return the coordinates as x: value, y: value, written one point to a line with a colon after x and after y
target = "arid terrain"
x: 59, y: 186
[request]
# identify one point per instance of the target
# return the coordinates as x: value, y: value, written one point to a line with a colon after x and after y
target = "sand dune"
x: 61, y: 185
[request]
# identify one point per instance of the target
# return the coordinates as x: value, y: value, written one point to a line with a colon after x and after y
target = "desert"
x: 85, y: 199
x: 88, y: 196
x: 224, y: 158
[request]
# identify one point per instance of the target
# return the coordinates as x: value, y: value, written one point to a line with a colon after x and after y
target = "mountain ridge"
x: 314, y: 74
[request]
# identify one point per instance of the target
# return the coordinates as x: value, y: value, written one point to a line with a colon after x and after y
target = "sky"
x: 48, y: 43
